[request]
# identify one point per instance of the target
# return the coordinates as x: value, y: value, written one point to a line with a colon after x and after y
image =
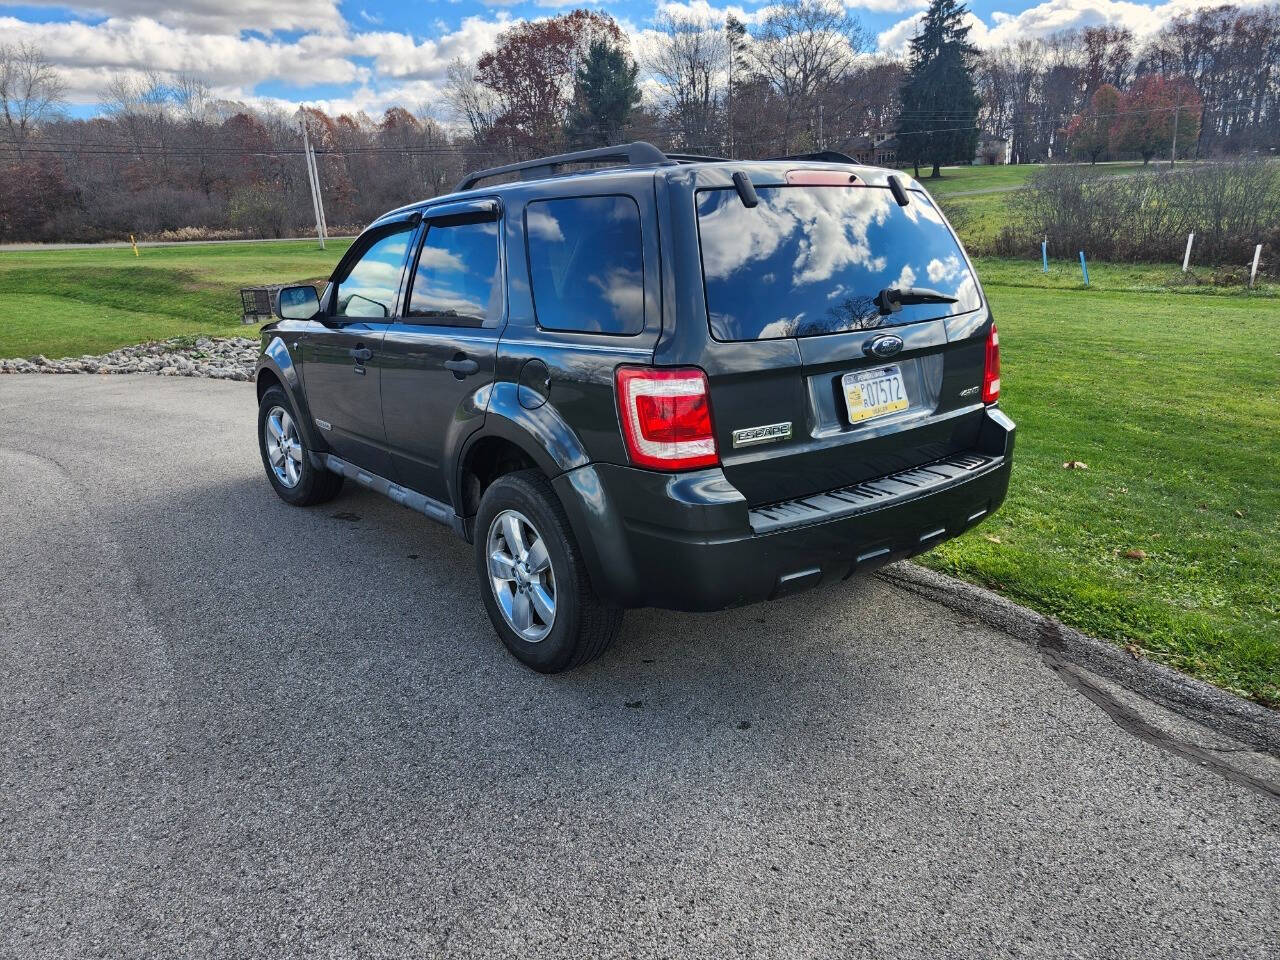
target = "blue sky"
x: 369, y: 54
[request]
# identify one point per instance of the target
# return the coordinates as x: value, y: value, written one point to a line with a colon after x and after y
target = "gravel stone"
x: 223, y: 358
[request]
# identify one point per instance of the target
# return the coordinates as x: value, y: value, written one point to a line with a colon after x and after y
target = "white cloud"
x: 1054, y: 15
x: 212, y: 16
x: 405, y: 71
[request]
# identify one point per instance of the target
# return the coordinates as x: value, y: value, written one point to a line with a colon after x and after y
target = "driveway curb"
x: 1226, y: 713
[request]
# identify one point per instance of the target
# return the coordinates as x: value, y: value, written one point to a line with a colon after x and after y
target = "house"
x: 879, y: 148
x: 991, y: 149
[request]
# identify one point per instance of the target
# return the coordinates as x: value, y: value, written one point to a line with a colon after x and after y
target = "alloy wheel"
x: 521, y: 576
x: 284, y: 448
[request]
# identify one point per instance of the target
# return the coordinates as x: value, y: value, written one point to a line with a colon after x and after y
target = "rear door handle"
x: 461, y: 366
x: 361, y: 354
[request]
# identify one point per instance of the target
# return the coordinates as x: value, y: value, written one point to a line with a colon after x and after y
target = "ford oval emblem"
x: 884, y: 346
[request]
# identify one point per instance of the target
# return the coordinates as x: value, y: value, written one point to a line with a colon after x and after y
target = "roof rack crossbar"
x: 631, y: 154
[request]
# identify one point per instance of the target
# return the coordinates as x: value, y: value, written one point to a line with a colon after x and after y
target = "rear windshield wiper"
x: 891, y: 299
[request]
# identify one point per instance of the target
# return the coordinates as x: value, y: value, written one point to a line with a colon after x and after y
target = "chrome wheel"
x: 520, y: 575
x: 284, y: 449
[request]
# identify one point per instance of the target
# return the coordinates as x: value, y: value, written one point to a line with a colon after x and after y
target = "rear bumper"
x: 690, y: 541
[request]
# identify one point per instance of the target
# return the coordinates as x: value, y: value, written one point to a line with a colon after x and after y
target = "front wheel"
x: 533, y: 578
x: 293, y: 476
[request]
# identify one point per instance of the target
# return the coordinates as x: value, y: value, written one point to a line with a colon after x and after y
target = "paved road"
x: 233, y: 728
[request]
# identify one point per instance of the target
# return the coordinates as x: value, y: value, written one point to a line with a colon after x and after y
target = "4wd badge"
x: 773, y: 431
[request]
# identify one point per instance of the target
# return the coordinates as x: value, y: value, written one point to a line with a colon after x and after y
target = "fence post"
x: 1253, y: 274
x: 1084, y: 268
x: 1186, y: 257
x: 1044, y: 253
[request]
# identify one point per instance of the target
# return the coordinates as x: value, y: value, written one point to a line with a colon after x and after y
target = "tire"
x: 295, y: 479
x: 581, y: 627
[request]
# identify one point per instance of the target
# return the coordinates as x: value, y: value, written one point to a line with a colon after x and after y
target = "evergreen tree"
x: 939, y: 121
x: 605, y: 93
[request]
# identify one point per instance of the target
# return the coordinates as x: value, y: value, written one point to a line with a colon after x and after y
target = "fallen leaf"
x: 1133, y: 650
x: 987, y: 536
x: 1075, y: 465
x: 1240, y: 514
x: 1134, y: 554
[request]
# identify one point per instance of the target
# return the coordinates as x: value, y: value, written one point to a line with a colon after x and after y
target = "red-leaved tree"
x: 532, y: 71
x: 1089, y: 132
x: 1148, y: 112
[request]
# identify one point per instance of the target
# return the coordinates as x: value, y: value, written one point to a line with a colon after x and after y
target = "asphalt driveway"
x: 229, y: 727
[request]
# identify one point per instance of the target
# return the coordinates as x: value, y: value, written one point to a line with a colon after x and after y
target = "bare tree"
x: 690, y: 62
x: 470, y: 100
x: 803, y: 49
x: 31, y: 91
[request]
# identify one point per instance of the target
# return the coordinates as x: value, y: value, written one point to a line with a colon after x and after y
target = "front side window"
x: 458, y: 277
x: 370, y: 286
x: 809, y: 260
x: 585, y: 264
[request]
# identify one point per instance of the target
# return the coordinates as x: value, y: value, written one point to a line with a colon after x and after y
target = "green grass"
x: 1177, y: 424
x: 1166, y: 390
x: 70, y: 302
x: 1001, y: 176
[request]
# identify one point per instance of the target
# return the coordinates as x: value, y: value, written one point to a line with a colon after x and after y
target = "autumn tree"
x: 532, y: 70
x: 1154, y: 112
x: 1089, y: 132
x: 939, y: 103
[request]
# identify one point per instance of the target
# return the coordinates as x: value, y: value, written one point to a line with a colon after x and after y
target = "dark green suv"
x: 668, y: 381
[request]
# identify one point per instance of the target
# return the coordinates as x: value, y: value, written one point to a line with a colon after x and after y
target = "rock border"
x: 1201, y: 702
x: 215, y: 358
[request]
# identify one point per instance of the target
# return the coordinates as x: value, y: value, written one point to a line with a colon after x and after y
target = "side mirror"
x: 297, y: 303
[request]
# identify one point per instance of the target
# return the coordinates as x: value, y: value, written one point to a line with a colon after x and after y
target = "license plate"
x: 874, y: 393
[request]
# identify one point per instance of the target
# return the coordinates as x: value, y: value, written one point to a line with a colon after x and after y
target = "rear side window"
x: 809, y: 260
x: 458, y: 277
x: 585, y: 264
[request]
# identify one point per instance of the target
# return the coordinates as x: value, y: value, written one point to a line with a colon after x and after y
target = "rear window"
x: 585, y: 264
x: 811, y: 260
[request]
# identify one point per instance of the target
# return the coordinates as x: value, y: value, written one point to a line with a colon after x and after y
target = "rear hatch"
x: 847, y: 333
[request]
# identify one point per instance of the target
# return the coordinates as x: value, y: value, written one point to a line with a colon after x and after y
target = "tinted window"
x: 369, y: 288
x: 458, y: 278
x: 811, y: 260
x: 585, y: 264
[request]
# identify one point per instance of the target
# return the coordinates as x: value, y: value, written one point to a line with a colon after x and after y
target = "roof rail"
x: 696, y: 158
x: 822, y: 156
x: 631, y: 154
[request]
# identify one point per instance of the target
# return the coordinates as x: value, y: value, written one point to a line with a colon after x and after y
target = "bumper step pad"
x: 872, y: 494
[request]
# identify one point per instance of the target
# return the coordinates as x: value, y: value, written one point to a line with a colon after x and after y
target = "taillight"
x: 991, y: 371
x: 666, y: 417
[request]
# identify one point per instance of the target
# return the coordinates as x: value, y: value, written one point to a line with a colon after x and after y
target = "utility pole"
x: 317, y: 203
x: 1173, y: 153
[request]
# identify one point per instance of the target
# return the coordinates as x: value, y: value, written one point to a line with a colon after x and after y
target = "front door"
x: 342, y: 359
x: 442, y: 350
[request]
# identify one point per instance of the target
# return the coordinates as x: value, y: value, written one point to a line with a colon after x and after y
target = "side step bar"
x: 873, y: 494
x: 437, y: 511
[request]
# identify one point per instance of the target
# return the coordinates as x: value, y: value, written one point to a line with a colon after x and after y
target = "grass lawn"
x: 1177, y: 423
x: 69, y: 302
x: 1178, y: 427
x: 1001, y: 176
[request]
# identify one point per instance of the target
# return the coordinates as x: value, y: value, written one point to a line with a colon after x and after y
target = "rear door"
x: 441, y: 351
x: 342, y: 359
x: 817, y: 381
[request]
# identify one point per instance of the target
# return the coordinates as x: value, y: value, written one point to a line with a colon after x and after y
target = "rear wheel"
x: 533, y: 578
x: 293, y: 476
